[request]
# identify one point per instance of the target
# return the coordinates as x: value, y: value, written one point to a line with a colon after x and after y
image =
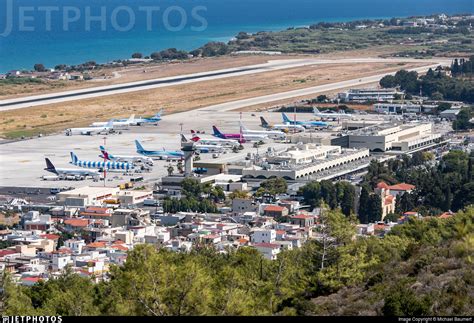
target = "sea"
x: 53, y: 32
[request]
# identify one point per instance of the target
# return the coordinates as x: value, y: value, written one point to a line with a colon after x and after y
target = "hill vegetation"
x: 423, y: 267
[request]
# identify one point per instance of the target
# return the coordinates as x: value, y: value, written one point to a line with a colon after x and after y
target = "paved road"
x: 58, y: 97
x: 234, y: 105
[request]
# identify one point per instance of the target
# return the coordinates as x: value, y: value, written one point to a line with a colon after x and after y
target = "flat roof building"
x: 363, y: 95
x: 388, y: 137
x: 302, y: 161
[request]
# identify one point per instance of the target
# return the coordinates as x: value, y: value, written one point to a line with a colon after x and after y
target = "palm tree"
x: 170, y: 170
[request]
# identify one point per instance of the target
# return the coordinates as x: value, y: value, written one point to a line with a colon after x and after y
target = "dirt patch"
x: 55, y: 117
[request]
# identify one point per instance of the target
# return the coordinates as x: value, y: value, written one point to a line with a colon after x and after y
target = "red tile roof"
x: 402, y: 187
x: 97, y: 244
x: 410, y: 213
x: 379, y: 227
x: 77, y: 222
x: 119, y: 247
x: 266, y: 245
x: 446, y: 215
x: 6, y: 252
x: 382, y: 185
x: 302, y: 216
x: 50, y: 236
x: 274, y: 208
x: 31, y: 279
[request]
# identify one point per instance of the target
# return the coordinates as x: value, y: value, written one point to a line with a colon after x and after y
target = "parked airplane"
x: 140, y: 121
x: 110, y: 165
x: 160, y: 154
x: 306, y: 124
x: 241, y: 137
x: 119, y: 124
x: 91, y: 130
x: 273, y: 134
x: 77, y: 173
x: 331, y: 115
x: 202, y: 148
x: 214, y: 141
x: 283, y: 127
x: 126, y: 159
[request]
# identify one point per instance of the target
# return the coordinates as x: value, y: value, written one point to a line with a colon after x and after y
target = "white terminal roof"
x: 91, y: 190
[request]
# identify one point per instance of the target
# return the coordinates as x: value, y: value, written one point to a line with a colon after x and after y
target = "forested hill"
x: 423, y: 267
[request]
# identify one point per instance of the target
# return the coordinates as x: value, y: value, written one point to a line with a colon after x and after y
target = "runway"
x: 65, y: 96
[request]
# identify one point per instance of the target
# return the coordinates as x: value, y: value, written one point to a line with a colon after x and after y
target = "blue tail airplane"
x: 306, y: 124
x: 160, y: 154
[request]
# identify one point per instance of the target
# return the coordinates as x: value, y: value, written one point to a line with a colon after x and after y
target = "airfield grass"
x: 57, y: 117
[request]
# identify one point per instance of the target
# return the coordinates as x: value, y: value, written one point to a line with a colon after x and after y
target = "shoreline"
x: 250, y: 29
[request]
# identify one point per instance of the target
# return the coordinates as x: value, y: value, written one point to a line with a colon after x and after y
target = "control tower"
x: 188, y: 150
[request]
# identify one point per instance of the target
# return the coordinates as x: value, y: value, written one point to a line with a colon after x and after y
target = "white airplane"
x: 91, y: 130
x: 286, y: 127
x: 242, y: 137
x: 117, y: 124
x: 273, y: 134
x: 77, y: 173
x: 151, y: 120
x: 202, y: 148
x: 126, y: 159
x: 214, y: 141
x: 331, y: 115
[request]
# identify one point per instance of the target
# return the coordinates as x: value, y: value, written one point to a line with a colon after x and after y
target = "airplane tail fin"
x: 285, y: 117
x: 183, y: 138
x: 159, y: 114
x: 105, y: 154
x: 110, y: 124
x: 74, y: 158
x: 217, y: 133
x: 193, y: 132
x: 264, y: 122
x: 132, y: 118
x: 315, y: 110
x: 139, y: 146
x: 195, y: 138
x: 49, y: 166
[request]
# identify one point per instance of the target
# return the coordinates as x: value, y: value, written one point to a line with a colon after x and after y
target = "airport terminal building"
x: 304, y: 161
x: 389, y: 138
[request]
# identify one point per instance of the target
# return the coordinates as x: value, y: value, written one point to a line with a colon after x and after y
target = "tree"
x: 273, y: 186
x: 191, y: 188
x: 388, y: 81
x: 311, y: 193
x: 375, y: 208
x: 405, y: 203
x: 348, y: 200
x: 322, y: 98
x: 170, y: 169
x: 156, y: 56
x: 137, y: 55
x: 402, y: 301
x: 39, y: 68
x: 328, y: 194
x: 238, y: 195
x: 462, y: 121
x: 363, y: 212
